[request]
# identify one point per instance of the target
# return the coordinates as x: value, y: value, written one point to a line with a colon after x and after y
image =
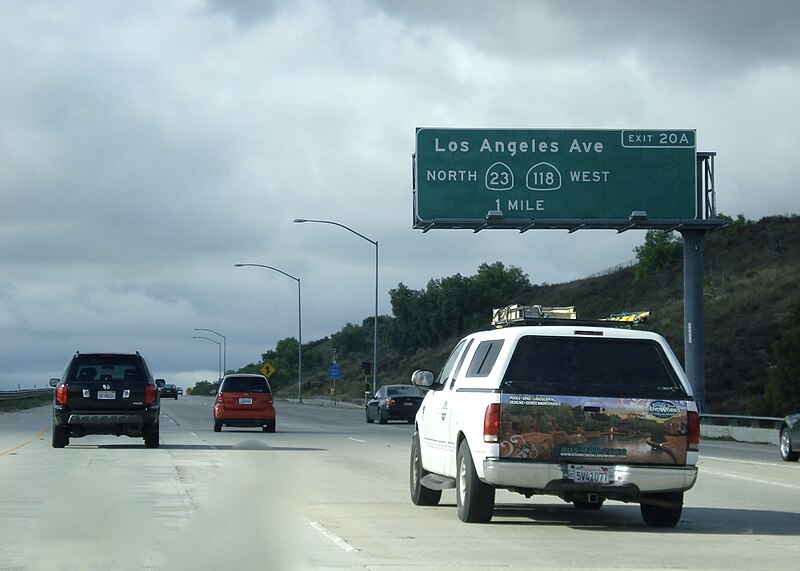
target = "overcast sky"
x: 146, y: 147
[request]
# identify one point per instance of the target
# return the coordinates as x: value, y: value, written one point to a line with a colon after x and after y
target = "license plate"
x: 106, y: 395
x: 408, y: 404
x: 588, y: 474
x: 245, y: 400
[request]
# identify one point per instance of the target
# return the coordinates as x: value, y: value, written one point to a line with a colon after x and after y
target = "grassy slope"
x: 752, y: 275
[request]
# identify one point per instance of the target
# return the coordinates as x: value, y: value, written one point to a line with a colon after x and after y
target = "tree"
x: 284, y: 359
x: 451, y: 305
x: 351, y: 339
x: 661, y: 250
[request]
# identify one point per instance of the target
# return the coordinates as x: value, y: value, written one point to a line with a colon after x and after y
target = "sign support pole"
x: 693, y: 314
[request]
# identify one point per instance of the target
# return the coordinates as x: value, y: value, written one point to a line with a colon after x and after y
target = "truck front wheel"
x: 420, y: 495
x: 474, y: 499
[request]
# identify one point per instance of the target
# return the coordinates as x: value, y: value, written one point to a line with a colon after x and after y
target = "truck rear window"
x: 632, y: 368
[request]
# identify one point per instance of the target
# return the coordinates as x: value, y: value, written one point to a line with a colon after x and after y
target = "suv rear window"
x: 105, y: 369
x: 633, y: 368
x: 245, y: 385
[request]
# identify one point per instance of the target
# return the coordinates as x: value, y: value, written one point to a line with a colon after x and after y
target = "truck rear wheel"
x: 151, y: 435
x: 474, y: 499
x: 662, y: 510
x: 420, y: 495
x: 60, y: 436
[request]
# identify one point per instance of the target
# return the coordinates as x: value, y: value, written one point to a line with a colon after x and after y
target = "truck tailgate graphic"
x: 593, y: 430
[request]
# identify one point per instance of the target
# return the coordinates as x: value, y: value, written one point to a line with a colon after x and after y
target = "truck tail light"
x: 61, y: 393
x: 694, y: 431
x: 150, y: 393
x: 491, y: 423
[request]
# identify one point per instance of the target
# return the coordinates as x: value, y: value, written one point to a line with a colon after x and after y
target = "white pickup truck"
x: 585, y: 411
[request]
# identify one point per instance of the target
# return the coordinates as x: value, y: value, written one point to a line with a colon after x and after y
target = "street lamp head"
x: 299, y: 220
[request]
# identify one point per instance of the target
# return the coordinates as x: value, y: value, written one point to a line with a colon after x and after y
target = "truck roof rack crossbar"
x: 512, y: 314
x: 561, y: 315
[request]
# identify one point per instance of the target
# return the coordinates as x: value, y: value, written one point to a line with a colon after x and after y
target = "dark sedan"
x: 394, y: 402
x: 169, y: 392
x: 790, y: 438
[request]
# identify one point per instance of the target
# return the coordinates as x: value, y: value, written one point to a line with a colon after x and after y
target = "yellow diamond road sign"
x: 267, y: 370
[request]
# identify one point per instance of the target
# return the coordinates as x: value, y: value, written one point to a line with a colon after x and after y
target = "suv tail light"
x: 61, y: 393
x: 491, y: 423
x: 694, y: 431
x: 150, y: 393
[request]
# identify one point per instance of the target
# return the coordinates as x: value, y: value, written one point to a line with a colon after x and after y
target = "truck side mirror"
x: 422, y: 379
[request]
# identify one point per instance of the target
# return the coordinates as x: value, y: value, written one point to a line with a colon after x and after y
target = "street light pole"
x: 375, y: 322
x: 224, y: 347
x: 219, y: 346
x: 299, y: 325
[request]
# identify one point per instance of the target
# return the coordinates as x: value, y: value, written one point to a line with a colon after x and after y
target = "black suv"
x: 106, y: 393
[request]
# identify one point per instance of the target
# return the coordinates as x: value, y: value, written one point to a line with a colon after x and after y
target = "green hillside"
x: 752, y: 308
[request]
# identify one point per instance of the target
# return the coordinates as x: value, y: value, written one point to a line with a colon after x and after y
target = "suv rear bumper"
x: 92, y: 418
x: 552, y: 478
x: 84, y: 422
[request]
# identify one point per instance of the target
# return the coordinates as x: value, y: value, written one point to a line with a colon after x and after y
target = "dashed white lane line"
x: 749, y: 479
x: 338, y: 541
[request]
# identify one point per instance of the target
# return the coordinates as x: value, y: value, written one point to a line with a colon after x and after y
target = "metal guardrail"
x: 755, y: 429
x: 24, y: 394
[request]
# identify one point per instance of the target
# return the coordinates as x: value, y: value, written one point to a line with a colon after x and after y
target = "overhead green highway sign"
x: 521, y: 178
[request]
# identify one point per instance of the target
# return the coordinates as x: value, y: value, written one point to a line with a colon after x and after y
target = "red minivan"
x: 244, y: 400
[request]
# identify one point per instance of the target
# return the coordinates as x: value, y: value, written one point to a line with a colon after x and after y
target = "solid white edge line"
x: 338, y: 541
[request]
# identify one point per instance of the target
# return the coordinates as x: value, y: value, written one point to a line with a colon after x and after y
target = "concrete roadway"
x: 328, y: 491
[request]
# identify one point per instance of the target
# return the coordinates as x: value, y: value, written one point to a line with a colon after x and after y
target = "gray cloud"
x: 148, y: 147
